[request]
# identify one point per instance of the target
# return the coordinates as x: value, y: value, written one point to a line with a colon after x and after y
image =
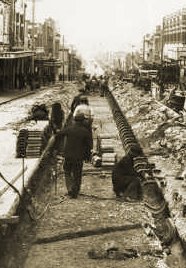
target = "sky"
x: 105, y: 25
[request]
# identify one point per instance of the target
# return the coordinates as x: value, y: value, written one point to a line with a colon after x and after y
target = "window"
x: 17, y: 17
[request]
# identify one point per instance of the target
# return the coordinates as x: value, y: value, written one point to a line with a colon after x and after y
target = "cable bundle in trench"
x: 152, y: 194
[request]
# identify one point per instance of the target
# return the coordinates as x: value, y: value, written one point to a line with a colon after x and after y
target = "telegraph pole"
x: 132, y: 58
x: 162, y: 42
x: 161, y: 68
x: 63, y: 57
x: 33, y: 22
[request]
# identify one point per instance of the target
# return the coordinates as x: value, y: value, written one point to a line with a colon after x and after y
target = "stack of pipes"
x: 105, y: 148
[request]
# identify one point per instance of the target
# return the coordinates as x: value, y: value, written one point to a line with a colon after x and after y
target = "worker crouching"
x: 125, y: 180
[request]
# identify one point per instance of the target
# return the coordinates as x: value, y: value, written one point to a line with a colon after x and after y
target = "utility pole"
x: 144, y: 48
x: 161, y: 68
x: 12, y: 25
x: 63, y: 57
x: 162, y: 42
x: 33, y: 42
x: 132, y: 58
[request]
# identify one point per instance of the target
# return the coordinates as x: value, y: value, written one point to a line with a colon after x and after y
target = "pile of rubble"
x: 162, y: 135
x: 159, y: 129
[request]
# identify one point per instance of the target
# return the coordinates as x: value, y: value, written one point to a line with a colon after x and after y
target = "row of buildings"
x: 168, y: 42
x: 32, y: 53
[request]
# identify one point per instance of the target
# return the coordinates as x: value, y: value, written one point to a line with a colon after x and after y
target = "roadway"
x: 96, y: 222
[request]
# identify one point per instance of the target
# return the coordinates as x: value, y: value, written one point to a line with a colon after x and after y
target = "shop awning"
x: 16, y: 54
x: 48, y: 63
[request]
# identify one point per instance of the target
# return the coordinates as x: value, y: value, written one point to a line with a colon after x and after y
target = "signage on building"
x: 181, y: 52
x: 14, y: 55
x: 40, y: 50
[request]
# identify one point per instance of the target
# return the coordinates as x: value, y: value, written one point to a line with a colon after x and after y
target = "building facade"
x: 46, y: 46
x: 63, y: 71
x: 30, y: 52
x: 157, y: 45
x: 74, y: 65
x: 152, y: 46
x: 5, y: 9
x: 174, y: 35
x: 15, y: 61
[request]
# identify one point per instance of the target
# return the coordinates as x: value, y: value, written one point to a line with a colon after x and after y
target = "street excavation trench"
x: 160, y: 134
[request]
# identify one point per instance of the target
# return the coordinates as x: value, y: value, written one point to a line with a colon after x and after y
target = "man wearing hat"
x: 84, y: 108
x: 77, y: 145
x: 77, y: 99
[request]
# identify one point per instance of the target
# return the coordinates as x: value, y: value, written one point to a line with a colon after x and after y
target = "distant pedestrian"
x: 57, y: 117
x: 103, y: 87
x: 94, y: 84
x: 76, y: 100
x: 87, y: 85
x: 77, y: 145
x: 60, y: 77
x: 30, y: 81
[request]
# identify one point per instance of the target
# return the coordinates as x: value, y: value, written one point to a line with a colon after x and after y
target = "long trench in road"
x: 72, y: 228
x: 98, y: 219
x: 153, y: 196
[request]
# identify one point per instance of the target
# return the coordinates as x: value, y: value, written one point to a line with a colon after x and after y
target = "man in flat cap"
x: 77, y: 145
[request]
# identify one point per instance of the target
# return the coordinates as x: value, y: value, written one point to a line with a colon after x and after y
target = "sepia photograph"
x: 92, y: 134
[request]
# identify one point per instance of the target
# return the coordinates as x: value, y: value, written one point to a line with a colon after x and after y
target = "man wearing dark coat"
x: 125, y: 180
x: 57, y: 117
x: 76, y: 100
x: 77, y: 145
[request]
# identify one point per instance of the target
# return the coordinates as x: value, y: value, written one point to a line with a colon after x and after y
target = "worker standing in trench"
x: 77, y: 146
x: 84, y: 108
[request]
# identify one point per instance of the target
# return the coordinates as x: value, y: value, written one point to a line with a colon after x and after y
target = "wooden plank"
x: 9, y: 220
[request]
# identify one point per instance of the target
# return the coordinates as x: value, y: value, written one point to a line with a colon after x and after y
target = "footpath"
x: 13, y: 95
x: 12, y: 169
x: 17, y: 171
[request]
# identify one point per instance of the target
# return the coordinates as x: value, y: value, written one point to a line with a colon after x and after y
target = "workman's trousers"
x: 127, y: 185
x: 73, y: 175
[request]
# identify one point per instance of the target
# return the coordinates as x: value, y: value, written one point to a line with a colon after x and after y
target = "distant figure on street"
x: 103, y: 86
x: 60, y: 77
x: 77, y: 145
x: 57, y: 117
x: 94, y: 84
x: 87, y: 85
x: 124, y: 178
x: 76, y: 100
